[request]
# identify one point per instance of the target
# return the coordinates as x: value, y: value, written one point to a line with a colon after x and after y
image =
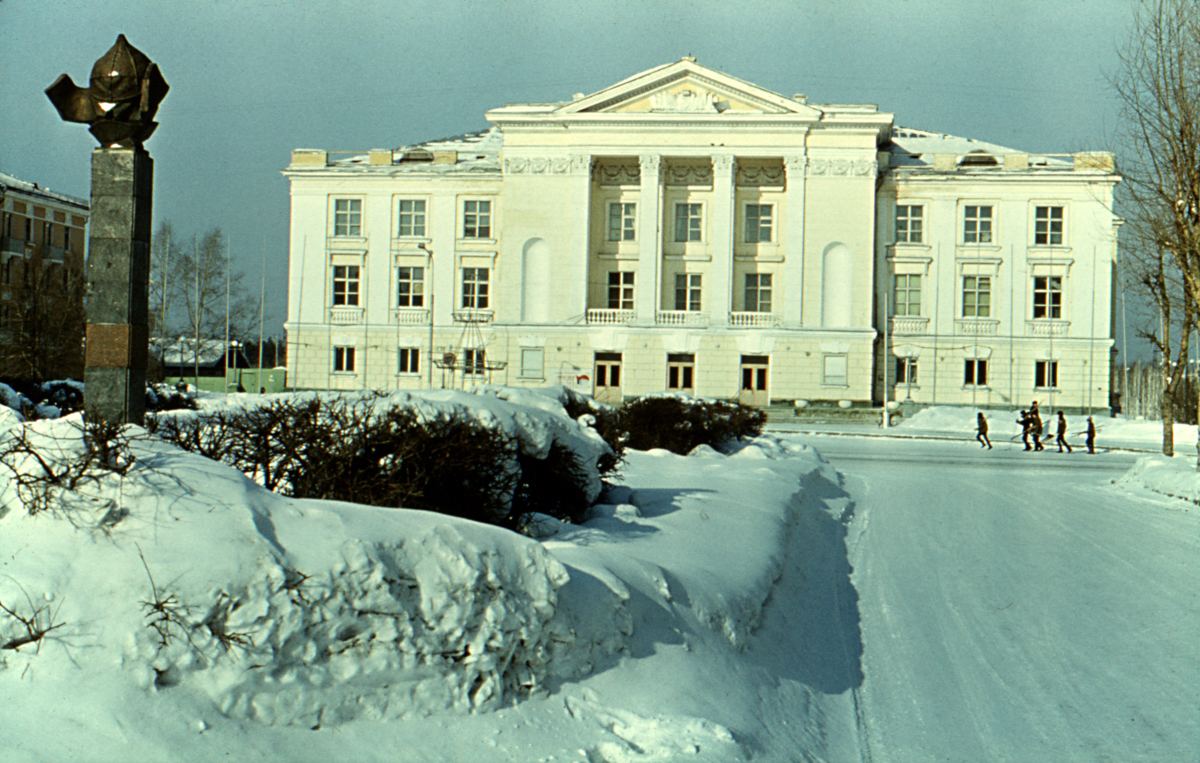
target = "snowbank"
x: 178, y: 584
x: 1171, y: 476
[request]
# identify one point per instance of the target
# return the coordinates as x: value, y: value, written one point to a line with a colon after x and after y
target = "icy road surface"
x: 1019, y: 607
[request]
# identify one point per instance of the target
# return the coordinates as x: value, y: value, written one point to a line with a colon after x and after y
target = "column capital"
x: 724, y: 163
x: 650, y: 162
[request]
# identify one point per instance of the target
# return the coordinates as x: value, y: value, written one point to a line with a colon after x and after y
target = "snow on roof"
x: 11, y: 182
x: 185, y: 352
x: 915, y: 148
x: 476, y: 151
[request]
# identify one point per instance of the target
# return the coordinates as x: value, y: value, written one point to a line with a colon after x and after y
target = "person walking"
x: 1026, y: 427
x: 1061, y: 440
x: 981, y: 427
x: 1091, y: 435
x: 1035, y: 426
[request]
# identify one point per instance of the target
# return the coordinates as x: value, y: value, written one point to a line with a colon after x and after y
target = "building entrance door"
x: 607, y: 385
x: 755, y: 373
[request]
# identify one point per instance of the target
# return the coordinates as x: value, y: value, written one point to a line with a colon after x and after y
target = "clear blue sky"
x: 253, y: 79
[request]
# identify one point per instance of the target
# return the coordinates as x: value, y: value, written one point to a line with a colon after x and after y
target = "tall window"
x: 907, y: 299
x: 6, y: 271
x: 1045, y: 373
x: 977, y: 296
x: 477, y: 219
x: 409, y: 361
x: 977, y: 225
x: 47, y: 234
x: 66, y: 237
x: 1048, y: 226
x: 687, y: 291
x: 758, y: 292
x: 620, y: 290
x: 689, y: 222
x: 345, y: 285
x: 622, y: 219
x: 347, y: 217
x: 906, y: 370
x: 1047, y: 296
x: 475, y: 288
x: 343, y: 359
x: 975, y: 373
x: 909, y: 223
x: 758, y: 223
x: 412, y: 217
x: 681, y: 372
x: 410, y: 287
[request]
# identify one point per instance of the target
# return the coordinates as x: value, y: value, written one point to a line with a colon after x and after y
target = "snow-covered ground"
x: 709, y: 610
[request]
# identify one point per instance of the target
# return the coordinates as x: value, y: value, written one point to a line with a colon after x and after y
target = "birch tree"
x: 1158, y: 87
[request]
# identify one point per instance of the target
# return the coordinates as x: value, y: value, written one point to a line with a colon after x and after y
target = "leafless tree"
x: 1158, y: 87
x: 41, y: 331
x: 203, y: 278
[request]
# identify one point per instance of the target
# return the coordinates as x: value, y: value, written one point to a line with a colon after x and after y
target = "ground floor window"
x: 975, y: 373
x: 1045, y: 373
x: 681, y: 372
x: 532, y: 362
x: 474, y: 362
x: 836, y: 370
x: 410, y: 360
x: 343, y: 360
x: 906, y: 370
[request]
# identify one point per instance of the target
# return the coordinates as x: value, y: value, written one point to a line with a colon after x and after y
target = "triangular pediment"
x: 686, y: 87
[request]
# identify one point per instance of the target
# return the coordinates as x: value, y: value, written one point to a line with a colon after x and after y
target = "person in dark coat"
x: 1061, y: 440
x: 1026, y: 427
x: 981, y: 427
x: 1091, y: 435
x: 1035, y: 426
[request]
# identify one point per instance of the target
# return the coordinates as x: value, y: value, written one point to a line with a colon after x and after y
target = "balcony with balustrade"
x: 607, y: 317
x: 977, y: 326
x: 681, y: 318
x: 1048, y: 327
x: 909, y: 324
x: 743, y: 320
x: 343, y: 315
x: 412, y: 316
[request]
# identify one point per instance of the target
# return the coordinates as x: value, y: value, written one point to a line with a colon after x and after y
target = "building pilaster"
x: 723, y: 212
x: 649, y: 273
x: 793, y: 241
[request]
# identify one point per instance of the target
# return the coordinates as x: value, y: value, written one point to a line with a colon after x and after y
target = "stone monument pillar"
x: 125, y: 91
x: 118, y: 282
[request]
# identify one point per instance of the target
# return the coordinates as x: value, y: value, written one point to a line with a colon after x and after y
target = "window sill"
x: 532, y: 378
x: 976, y: 387
x: 834, y: 385
x: 344, y: 374
x: 477, y: 241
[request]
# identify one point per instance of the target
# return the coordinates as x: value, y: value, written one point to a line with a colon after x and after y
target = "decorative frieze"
x: 843, y: 167
x: 698, y: 174
x: 557, y: 165
x: 617, y: 174
x: 758, y: 177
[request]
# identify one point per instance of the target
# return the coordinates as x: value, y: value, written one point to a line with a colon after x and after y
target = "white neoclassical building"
x: 686, y: 230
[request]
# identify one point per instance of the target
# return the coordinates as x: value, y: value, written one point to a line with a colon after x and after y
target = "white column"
x: 792, y: 240
x: 649, y: 272
x: 720, y: 295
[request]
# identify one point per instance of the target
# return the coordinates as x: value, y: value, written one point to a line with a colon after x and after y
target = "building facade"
x: 685, y: 230
x: 43, y: 237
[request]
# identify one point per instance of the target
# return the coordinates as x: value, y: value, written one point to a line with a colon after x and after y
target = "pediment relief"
x: 690, y: 89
